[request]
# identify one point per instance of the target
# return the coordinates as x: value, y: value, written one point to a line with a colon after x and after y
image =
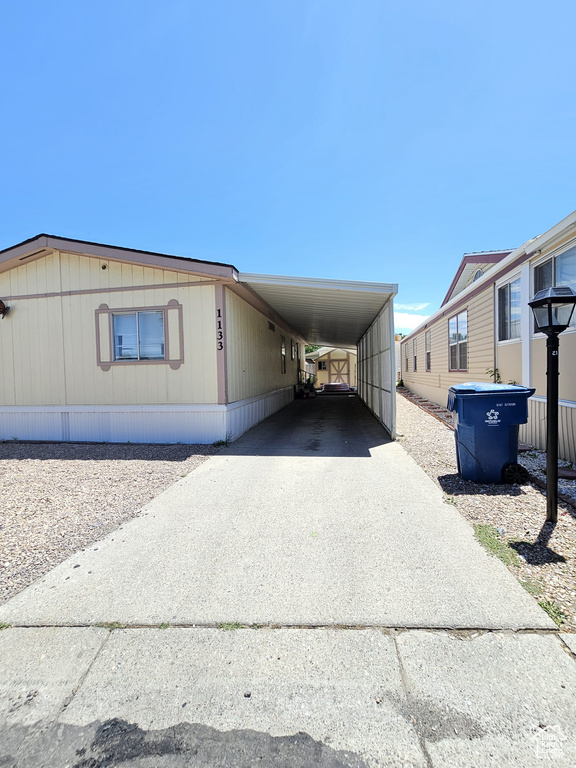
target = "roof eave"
x: 38, y: 245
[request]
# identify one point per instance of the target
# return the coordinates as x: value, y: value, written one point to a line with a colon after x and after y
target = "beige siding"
x: 253, y: 352
x: 51, y: 342
x: 567, y: 363
x: 509, y: 362
x: 340, y: 355
x: 435, y: 383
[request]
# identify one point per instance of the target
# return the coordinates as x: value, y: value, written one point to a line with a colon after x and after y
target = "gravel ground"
x: 545, y: 556
x: 535, y: 462
x: 58, y: 498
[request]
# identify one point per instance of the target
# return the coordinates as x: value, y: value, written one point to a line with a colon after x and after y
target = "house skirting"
x: 140, y: 423
x: 534, y: 432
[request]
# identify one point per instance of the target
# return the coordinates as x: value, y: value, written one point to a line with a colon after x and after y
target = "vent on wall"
x: 271, y: 326
x: 36, y: 253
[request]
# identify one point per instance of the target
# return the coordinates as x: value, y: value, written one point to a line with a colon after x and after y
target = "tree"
x: 312, y: 348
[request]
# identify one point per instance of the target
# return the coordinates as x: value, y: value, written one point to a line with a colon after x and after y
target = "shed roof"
x: 335, y: 313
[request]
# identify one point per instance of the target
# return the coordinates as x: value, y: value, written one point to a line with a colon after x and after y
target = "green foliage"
x: 532, y: 587
x: 489, y: 537
x: 311, y: 348
x: 110, y: 625
x: 3, y: 625
x: 554, y: 611
x: 164, y: 625
x: 229, y: 626
x: 494, y: 373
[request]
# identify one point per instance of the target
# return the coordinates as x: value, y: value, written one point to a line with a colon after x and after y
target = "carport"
x: 342, y: 313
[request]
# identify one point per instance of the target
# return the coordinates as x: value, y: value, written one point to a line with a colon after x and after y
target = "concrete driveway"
x: 306, y: 598
x: 312, y: 518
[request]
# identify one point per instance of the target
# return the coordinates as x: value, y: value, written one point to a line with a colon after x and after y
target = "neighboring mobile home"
x: 112, y: 344
x: 485, y: 329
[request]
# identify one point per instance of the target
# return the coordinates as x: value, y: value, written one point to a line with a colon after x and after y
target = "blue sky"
x: 369, y: 140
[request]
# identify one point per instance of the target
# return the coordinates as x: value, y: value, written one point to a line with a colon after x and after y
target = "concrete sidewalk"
x: 382, y: 633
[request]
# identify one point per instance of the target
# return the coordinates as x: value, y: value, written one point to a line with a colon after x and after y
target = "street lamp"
x: 553, y: 309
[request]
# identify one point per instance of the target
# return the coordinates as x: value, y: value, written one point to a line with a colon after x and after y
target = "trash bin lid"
x: 487, y: 388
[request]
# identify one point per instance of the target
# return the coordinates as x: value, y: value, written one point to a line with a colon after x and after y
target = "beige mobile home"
x: 109, y: 344
x: 485, y: 325
x: 334, y: 366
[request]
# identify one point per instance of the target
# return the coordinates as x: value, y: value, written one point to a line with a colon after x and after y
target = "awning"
x: 335, y: 313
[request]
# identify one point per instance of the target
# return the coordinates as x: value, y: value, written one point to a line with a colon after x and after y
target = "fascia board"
x: 318, y: 282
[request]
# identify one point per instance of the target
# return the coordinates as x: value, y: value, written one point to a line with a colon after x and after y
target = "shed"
x: 334, y: 365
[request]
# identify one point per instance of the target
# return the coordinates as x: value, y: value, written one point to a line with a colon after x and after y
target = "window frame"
x: 173, y: 336
x: 458, y: 344
x: 283, y: 354
x: 136, y: 314
x: 322, y: 365
x: 292, y: 350
x: 406, y: 356
x: 415, y: 354
x: 551, y: 257
x: 428, y: 349
x: 507, y: 286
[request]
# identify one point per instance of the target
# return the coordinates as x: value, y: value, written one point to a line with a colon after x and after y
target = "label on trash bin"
x: 493, y: 419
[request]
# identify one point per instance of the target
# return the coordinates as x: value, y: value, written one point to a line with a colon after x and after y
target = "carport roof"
x: 335, y: 313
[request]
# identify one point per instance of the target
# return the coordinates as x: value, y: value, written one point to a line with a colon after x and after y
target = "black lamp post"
x: 553, y: 309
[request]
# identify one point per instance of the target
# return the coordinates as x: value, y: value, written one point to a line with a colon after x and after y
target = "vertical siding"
x: 534, y: 432
x: 32, y: 370
x: 253, y: 352
x: 376, y: 374
x: 436, y: 383
x: 51, y: 342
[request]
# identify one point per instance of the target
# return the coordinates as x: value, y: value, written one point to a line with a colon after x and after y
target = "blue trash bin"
x: 486, y: 419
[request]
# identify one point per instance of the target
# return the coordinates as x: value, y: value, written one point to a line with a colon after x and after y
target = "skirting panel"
x: 202, y: 424
x: 244, y: 414
x: 534, y: 432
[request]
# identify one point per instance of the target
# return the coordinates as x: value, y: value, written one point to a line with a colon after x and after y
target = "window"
x: 509, y: 311
x: 559, y: 270
x: 428, y: 349
x: 458, y: 342
x: 477, y: 275
x: 283, y: 353
x: 322, y: 365
x: 292, y: 351
x: 139, y: 336
x: 414, y: 354
x: 406, y: 357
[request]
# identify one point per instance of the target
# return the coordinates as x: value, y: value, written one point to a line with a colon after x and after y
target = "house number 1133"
x: 219, y: 331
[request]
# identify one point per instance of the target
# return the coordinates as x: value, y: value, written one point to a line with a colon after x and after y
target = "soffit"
x: 333, y: 313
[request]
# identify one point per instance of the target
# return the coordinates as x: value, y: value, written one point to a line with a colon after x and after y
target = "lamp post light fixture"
x: 553, y: 309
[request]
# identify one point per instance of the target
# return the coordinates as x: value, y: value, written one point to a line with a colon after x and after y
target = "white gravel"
x: 518, y: 512
x: 58, y: 498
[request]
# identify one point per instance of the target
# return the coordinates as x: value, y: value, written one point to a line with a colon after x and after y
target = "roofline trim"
x: 491, y: 257
x: 514, y: 259
x: 318, y: 282
x: 117, y: 253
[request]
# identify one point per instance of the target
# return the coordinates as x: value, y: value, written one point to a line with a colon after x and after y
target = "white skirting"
x: 534, y: 432
x: 140, y: 423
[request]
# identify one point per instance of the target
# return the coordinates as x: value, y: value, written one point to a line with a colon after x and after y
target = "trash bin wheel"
x: 515, y: 474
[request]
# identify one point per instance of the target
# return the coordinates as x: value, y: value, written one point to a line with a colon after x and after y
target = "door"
x: 339, y: 372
